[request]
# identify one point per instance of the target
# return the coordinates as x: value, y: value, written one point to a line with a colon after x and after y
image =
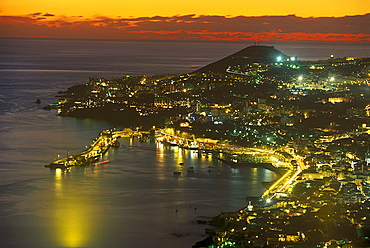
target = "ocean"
x: 132, y: 200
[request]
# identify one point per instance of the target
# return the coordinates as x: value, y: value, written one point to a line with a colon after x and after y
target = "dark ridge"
x: 251, y: 54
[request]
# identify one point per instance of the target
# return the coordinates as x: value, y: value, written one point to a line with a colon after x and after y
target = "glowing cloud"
x: 263, y: 28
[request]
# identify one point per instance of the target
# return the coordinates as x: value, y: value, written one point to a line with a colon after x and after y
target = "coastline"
x: 323, y: 197
x: 216, y: 221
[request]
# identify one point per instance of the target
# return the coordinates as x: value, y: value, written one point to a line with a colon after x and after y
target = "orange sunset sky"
x: 326, y: 20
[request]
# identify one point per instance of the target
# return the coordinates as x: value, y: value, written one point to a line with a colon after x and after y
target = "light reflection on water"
x: 131, y: 201
x: 116, y: 204
x: 70, y: 224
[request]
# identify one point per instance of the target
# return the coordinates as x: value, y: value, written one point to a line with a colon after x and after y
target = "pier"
x: 92, y: 154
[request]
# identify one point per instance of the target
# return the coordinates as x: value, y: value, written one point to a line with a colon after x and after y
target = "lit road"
x: 283, y: 184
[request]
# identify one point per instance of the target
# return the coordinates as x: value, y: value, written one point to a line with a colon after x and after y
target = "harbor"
x: 227, y: 153
x: 234, y: 156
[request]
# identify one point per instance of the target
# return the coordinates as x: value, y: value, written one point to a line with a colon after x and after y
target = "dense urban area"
x: 314, y: 114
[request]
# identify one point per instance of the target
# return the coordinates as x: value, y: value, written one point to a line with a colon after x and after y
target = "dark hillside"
x: 251, y: 54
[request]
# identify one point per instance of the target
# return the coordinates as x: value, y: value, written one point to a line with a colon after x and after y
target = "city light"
x: 241, y: 123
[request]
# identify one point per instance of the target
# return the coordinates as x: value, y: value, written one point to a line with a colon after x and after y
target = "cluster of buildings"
x: 318, y: 110
x: 330, y: 209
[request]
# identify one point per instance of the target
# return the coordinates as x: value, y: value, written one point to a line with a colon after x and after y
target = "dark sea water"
x: 131, y: 201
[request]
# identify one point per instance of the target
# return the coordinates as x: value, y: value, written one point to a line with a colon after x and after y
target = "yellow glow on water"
x: 160, y: 149
x: 58, y: 178
x: 58, y: 174
x: 72, y: 227
x: 254, y: 171
x: 193, y: 154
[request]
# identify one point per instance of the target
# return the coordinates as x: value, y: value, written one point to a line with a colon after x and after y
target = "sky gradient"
x: 264, y: 20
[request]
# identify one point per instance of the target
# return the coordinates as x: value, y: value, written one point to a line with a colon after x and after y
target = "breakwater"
x: 100, y: 145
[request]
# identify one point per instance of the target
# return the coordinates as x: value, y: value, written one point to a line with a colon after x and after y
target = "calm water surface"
x: 131, y: 201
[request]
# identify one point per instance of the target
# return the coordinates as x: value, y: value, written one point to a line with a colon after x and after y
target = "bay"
x: 132, y: 200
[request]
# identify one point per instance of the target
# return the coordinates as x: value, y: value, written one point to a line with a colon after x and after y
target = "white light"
x: 300, y: 78
x: 279, y: 59
x: 292, y: 58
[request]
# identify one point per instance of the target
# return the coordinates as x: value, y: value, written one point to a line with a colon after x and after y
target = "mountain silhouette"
x: 248, y: 55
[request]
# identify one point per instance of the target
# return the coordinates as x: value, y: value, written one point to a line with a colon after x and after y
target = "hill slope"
x: 251, y: 54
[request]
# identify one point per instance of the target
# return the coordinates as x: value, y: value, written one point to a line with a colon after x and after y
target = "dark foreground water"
x: 132, y: 200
